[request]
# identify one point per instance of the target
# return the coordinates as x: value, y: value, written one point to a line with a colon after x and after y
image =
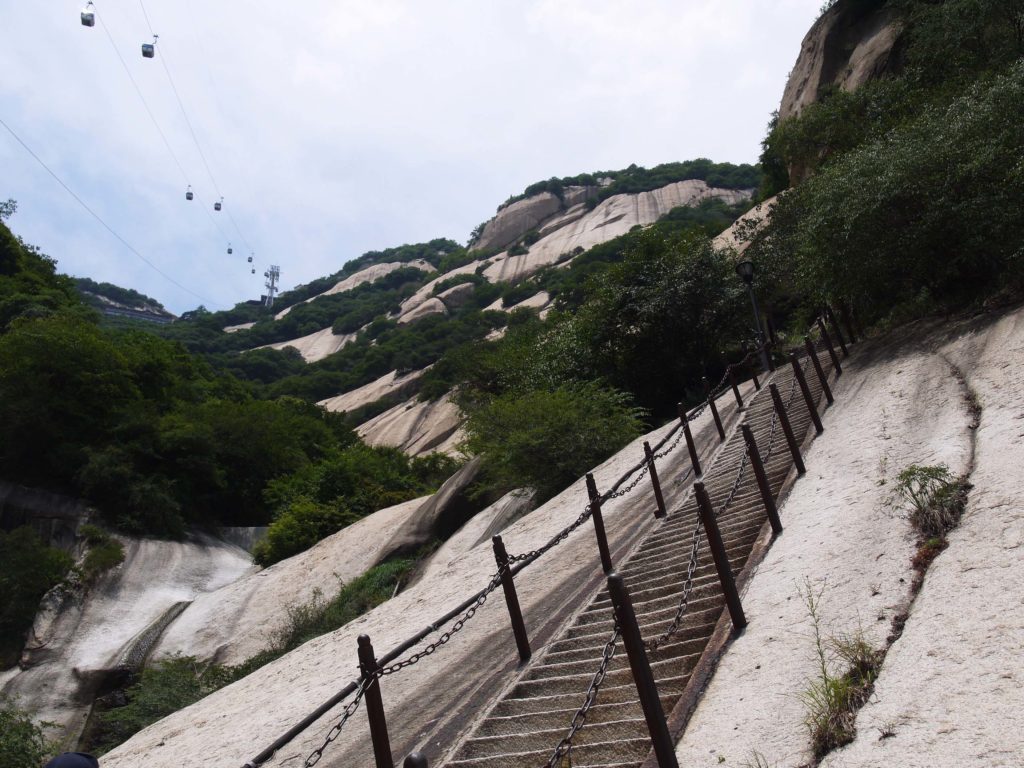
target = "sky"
x: 332, y: 128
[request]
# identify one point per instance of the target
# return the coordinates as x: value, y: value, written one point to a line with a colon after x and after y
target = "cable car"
x: 229, y: 249
x: 250, y: 259
x: 88, y: 16
x: 188, y: 193
x: 218, y: 204
x: 149, y: 49
x: 254, y: 270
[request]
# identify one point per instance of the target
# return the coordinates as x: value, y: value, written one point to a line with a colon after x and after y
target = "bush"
x: 23, y: 743
x: 935, y: 498
x: 30, y: 569
x: 104, y: 553
x: 547, y: 439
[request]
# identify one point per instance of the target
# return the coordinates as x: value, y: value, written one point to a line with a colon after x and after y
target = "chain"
x: 447, y: 635
x: 558, y: 538
x: 335, y: 732
x: 564, y: 747
x: 665, y: 452
x: 698, y: 535
x: 636, y: 481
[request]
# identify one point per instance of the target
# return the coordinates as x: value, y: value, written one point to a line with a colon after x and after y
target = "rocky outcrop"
x: 416, y: 427
x: 457, y: 296
x: 431, y: 306
x: 80, y: 639
x: 853, y: 42
x: 370, y: 274
x: 579, y: 228
x: 237, y: 328
x: 388, y: 385
x: 735, y: 237
x: 241, y: 619
x: 317, y: 345
x: 515, y: 219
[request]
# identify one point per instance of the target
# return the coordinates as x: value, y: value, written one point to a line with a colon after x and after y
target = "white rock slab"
x: 370, y: 274
x: 317, y: 345
x: 241, y: 619
x: 387, y: 384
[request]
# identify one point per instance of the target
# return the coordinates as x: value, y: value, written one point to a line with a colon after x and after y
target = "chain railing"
x: 515, y: 564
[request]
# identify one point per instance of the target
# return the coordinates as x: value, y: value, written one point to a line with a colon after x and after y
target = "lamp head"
x: 745, y: 269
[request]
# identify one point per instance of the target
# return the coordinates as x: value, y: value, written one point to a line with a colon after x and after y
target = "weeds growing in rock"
x: 847, y: 668
x: 104, y: 553
x: 932, y: 498
x: 23, y: 742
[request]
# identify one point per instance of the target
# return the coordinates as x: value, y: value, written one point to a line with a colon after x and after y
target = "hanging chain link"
x: 314, y: 757
x: 564, y: 747
x: 447, y: 635
x: 684, y: 601
x: 558, y: 538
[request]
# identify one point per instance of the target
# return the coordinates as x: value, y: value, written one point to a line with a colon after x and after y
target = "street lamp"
x: 745, y: 269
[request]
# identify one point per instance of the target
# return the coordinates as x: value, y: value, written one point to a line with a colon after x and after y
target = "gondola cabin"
x: 88, y: 16
x: 218, y: 205
x: 230, y: 251
x: 188, y: 193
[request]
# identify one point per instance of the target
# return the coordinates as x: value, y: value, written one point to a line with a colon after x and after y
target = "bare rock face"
x: 416, y: 427
x: 516, y: 219
x: 432, y: 306
x: 370, y: 274
x: 852, y: 43
x: 317, y: 345
x: 457, y: 296
x: 387, y: 385
x: 749, y: 223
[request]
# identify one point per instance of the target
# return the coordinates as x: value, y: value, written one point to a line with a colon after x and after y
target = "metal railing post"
x: 837, y: 329
x: 798, y: 372
x: 595, y: 512
x: 707, y: 518
x: 831, y: 349
x: 661, y: 511
x: 813, y: 354
x: 654, y: 714
x: 374, y: 704
x: 710, y: 397
x: 735, y: 388
x: 415, y: 760
x: 762, y: 480
x: 787, y: 429
x: 690, y: 445
x: 515, y: 613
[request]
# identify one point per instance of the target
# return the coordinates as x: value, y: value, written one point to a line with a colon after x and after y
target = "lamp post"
x: 745, y: 269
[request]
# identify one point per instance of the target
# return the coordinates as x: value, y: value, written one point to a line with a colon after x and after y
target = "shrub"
x: 30, y: 568
x: 933, y: 497
x: 548, y: 439
x: 23, y: 743
x: 105, y: 552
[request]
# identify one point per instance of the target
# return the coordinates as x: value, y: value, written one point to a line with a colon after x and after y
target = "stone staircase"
x: 525, y: 726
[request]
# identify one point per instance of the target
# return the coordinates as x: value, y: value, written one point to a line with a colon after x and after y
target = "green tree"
x: 548, y: 439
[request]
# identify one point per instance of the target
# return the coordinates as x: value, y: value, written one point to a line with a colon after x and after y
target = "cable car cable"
x: 96, y: 216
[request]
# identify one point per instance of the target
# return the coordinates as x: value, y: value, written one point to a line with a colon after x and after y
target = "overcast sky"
x: 334, y: 127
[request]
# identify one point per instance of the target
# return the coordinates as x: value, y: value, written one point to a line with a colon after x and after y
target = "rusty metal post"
x: 831, y: 349
x: 787, y: 429
x: 647, y: 690
x: 661, y: 511
x: 762, y: 480
x: 690, y: 445
x: 374, y: 704
x: 735, y: 388
x: 415, y: 760
x: 813, y: 354
x: 707, y: 518
x: 515, y: 613
x: 595, y: 512
x: 798, y: 372
x: 710, y: 397
x: 838, y: 331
